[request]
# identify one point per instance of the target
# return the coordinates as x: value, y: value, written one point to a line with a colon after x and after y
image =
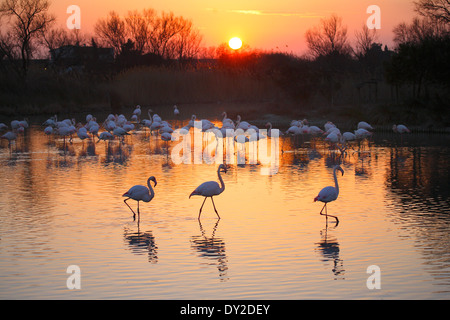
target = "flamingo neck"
x: 222, y: 184
x: 152, y: 193
x: 335, y: 181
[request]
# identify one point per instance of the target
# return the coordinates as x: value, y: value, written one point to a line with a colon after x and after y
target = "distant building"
x: 81, y: 57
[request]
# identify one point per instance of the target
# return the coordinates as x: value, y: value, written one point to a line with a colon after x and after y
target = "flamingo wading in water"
x: 329, y: 194
x: 140, y: 193
x: 210, y: 188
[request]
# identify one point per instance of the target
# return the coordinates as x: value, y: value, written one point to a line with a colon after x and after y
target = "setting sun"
x: 235, y: 43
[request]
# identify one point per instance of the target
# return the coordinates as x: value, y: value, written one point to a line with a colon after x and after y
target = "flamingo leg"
x: 201, y: 208
x: 139, y: 214
x: 325, y: 205
x: 326, y: 214
x: 215, y: 207
x: 134, y: 214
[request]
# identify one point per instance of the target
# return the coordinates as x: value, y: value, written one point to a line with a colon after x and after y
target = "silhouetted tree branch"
x: 26, y: 21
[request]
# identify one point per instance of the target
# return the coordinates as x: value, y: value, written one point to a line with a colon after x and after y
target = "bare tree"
x: 187, y: 42
x: 26, y: 19
x: 112, y: 31
x: 327, y: 38
x: 140, y: 27
x: 418, y: 30
x: 165, y: 28
x: 365, y: 38
x: 437, y: 10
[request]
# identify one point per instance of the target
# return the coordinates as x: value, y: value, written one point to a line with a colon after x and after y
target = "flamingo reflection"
x: 328, y: 247
x: 211, y: 248
x: 141, y: 242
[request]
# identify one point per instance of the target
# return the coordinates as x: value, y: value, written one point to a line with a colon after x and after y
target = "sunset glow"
x: 265, y: 25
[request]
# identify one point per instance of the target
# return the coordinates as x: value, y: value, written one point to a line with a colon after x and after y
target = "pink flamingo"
x: 329, y: 194
x: 210, y: 188
x: 140, y: 193
x: 400, y: 128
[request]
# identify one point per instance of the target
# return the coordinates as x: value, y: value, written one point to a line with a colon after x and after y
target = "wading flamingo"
x: 140, y: 193
x: 210, y: 188
x: 329, y: 194
x: 10, y: 136
x: 400, y: 128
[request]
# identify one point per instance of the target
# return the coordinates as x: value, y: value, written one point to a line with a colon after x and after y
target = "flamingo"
x: 156, y: 117
x: 294, y: 130
x: 93, y: 128
x: 364, y: 125
x: 315, y: 130
x: 210, y: 189
x: 120, y: 132
x: 329, y: 194
x: 140, y: 193
x: 362, y: 133
x: 175, y: 110
x: 10, y: 136
x: 333, y: 137
x: 242, y: 125
x: 50, y: 121
x: 3, y: 127
x: 400, y: 128
x: 15, y: 124
x: 89, y: 117
x: 65, y: 131
x: 269, y: 131
x: 329, y: 125
x: 297, y: 123
x: 348, y: 136
x: 48, y: 130
x: 166, y: 136
x: 137, y: 111
x: 227, y: 123
x: 105, y: 135
x: 81, y: 132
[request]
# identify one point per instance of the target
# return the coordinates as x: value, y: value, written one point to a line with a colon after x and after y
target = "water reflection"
x: 141, y: 243
x: 328, y: 247
x: 71, y: 191
x: 418, y: 181
x: 212, y: 249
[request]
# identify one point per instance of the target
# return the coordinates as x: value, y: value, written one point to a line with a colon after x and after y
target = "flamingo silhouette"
x: 329, y: 194
x: 400, y: 128
x: 210, y: 188
x: 176, y: 112
x: 140, y: 193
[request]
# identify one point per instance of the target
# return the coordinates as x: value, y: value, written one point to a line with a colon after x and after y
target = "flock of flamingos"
x: 119, y: 126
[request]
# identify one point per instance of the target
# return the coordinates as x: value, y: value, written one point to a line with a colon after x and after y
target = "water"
x: 62, y: 207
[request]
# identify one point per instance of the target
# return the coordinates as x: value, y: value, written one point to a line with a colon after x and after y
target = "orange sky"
x: 261, y: 24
